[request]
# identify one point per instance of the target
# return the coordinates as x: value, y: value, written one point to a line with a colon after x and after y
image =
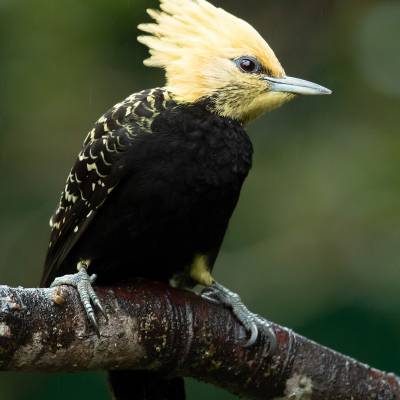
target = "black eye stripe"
x: 268, y: 72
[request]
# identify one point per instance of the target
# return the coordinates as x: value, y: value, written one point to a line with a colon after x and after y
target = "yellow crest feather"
x: 187, y: 34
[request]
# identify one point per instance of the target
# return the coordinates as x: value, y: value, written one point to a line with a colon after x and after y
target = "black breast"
x: 184, y: 182
x: 208, y: 151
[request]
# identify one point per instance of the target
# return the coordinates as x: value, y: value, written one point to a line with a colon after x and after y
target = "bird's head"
x: 208, y: 53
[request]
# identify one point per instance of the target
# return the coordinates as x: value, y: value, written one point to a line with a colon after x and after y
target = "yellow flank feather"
x: 196, y: 43
x: 200, y: 270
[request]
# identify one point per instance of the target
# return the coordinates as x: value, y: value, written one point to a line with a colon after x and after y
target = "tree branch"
x: 152, y: 326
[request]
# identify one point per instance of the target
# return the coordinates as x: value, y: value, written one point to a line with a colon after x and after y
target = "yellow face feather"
x: 197, y: 44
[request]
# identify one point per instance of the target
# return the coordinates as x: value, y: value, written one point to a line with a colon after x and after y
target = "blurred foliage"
x: 314, y: 243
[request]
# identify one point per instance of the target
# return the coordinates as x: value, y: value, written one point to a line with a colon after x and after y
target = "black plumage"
x: 160, y: 174
x: 154, y: 186
x: 143, y: 199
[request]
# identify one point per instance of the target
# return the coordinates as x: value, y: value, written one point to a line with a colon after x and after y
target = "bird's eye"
x: 248, y: 64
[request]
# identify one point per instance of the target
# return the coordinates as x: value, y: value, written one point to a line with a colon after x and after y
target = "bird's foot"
x: 83, y: 284
x: 220, y: 294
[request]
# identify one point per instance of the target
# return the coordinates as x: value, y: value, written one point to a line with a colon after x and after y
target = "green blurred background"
x: 315, y: 241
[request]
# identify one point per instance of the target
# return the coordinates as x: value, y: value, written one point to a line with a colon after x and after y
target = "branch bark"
x: 155, y: 327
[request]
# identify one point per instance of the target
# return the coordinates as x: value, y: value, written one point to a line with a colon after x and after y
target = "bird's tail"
x: 145, y: 385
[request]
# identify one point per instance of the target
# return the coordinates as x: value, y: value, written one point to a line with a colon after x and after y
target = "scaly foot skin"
x: 220, y: 294
x: 83, y: 284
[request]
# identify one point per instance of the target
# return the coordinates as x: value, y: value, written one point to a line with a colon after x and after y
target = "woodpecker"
x: 159, y: 175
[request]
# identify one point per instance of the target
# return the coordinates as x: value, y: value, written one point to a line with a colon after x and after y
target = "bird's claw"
x: 83, y: 284
x: 250, y: 321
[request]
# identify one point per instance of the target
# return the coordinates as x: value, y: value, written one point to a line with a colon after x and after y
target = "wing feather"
x: 100, y: 166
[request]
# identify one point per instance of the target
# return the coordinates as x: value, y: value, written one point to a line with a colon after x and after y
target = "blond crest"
x: 194, y: 41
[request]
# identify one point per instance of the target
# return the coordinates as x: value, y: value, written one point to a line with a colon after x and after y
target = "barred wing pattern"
x: 100, y: 166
